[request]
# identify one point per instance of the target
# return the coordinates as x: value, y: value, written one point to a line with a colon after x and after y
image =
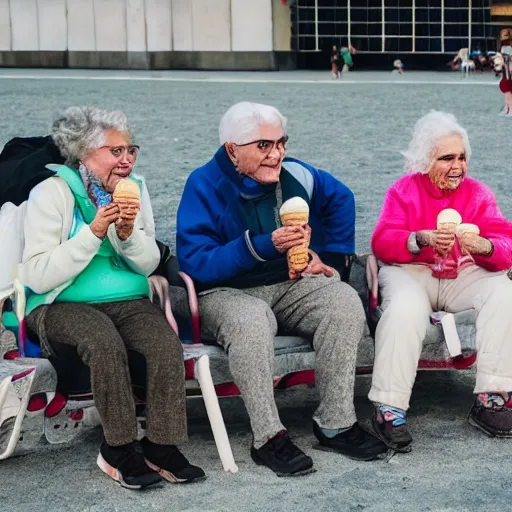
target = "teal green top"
x: 347, y: 56
x: 106, y: 278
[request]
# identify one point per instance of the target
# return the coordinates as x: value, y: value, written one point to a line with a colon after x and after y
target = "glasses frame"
x: 125, y: 148
x: 275, y: 143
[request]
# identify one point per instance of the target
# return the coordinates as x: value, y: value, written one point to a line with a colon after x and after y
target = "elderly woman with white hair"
x: 430, y: 264
x: 231, y: 241
x: 86, y: 275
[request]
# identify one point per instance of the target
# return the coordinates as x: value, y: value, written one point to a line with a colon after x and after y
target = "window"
x: 454, y: 45
x: 398, y: 29
x: 428, y: 30
x: 366, y: 15
x: 456, y: 15
x: 369, y: 22
x: 458, y: 30
x: 424, y: 44
x: 398, y: 44
x: 456, y: 4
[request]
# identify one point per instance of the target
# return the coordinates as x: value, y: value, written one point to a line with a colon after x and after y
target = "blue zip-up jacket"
x: 225, y: 222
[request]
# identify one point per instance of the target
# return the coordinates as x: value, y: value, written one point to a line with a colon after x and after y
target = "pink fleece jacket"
x: 413, y: 203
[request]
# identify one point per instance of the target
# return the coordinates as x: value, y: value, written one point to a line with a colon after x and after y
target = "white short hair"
x: 240, y: 124
x: 427, y: 131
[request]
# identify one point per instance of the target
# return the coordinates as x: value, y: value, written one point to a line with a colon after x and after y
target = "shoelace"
x: 174, y: 459
x: 133, y: 463
x: 284, y: 448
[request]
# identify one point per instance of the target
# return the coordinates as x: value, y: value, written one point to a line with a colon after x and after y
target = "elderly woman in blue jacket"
x: 231, y: 242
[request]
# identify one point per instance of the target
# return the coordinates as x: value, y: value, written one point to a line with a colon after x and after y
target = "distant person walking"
x: 346, y: 53
x: 335, y: 63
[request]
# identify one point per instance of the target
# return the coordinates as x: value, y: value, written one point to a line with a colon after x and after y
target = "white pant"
x: 409, y: 295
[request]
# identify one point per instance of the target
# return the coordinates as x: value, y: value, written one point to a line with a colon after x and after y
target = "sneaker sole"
x: 473, y: 423
x: 404, y: 449
x: 324, y: 448
x: 170, y: 477
x: 117, y: 477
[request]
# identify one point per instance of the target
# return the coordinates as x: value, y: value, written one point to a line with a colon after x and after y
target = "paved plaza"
x: 355, y: 128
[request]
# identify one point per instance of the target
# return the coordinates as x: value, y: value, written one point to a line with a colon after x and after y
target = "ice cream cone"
x: 127, y: 196
x: 295, y: 212
x: 467, y: 228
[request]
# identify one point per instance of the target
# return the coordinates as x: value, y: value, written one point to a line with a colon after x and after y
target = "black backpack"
x: 22, y: 166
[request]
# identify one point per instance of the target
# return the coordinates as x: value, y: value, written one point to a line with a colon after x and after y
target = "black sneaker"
x: 493, y: 422
x: 282, y: 456
x: 170, y: 463
x: 126, y: 465
x: 397, y: 438
x: 355, y: 443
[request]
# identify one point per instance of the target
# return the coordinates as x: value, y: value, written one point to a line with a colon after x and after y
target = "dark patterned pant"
x: 102, y: 333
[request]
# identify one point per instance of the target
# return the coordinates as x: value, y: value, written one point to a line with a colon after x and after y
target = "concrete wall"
x: 144, y: 33
x: 282, y: 27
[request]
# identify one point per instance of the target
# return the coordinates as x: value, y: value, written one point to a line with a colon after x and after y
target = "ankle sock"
x: 394, y: 415
x: 333, y: 432
x: 497, y: 400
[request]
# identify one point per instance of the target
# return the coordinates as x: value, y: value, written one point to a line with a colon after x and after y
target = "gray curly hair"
x: 427, y: 131
x: 79, y: 131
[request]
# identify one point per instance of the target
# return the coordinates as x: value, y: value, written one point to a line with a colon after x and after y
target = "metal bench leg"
x: 203, y: 376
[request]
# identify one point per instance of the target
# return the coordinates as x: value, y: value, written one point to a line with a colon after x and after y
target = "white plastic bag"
x: 11, y: 244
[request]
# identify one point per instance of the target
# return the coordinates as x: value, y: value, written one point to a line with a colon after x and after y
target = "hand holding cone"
x: 295, y: 212
x: 127, y: 196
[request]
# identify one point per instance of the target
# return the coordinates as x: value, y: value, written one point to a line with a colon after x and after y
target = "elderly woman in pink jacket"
x: 426, y: 268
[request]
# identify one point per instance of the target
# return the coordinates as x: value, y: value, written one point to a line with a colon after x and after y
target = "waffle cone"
x: 297, y: 257
x: 127, y: 196
x: 447, y: 226
x: 298, y: 260
x: 295, y: 218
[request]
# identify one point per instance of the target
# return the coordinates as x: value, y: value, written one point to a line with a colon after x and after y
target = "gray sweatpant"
x: 324, y: 310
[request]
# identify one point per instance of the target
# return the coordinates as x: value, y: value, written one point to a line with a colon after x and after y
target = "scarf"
x: 95, y: 189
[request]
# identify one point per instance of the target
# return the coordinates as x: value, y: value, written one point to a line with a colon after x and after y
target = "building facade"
x: 397, y: 27
x: 243, y: 34
x: 146, y: 34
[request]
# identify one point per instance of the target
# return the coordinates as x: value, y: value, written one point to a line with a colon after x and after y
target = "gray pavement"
x: 355, y: 128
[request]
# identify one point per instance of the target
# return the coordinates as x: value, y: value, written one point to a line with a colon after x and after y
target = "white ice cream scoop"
x: 294, y: 205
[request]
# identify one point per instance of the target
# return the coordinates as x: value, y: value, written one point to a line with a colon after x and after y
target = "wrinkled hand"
x: 471, y: 243
x: 126, y: 220
x: 317, y: 267
x: 441, y: 241
x: 104, y: 217
x: 290, y: 236
x: 125, y: 224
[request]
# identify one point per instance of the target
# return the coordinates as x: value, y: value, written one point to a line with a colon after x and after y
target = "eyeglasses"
x: 266, y: 146
x: 119, y: 151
